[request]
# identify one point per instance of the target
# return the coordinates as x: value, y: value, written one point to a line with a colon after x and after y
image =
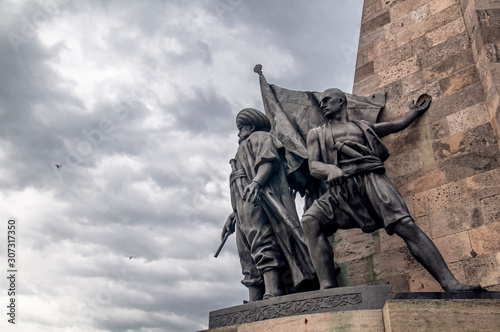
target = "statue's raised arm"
x: 383, y: 129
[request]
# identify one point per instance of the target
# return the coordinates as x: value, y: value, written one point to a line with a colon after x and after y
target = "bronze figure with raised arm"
x: 349, y: 156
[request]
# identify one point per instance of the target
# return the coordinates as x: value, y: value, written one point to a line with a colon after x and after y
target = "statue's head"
x: 249, y: 120
x: 333, y: 102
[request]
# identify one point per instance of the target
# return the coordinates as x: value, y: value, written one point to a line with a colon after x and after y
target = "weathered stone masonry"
x: 446, y: 164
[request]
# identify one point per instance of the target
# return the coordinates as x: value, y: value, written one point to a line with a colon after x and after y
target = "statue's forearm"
x: 386, y: 128
x: 264, y: 173
x: 320, y: 170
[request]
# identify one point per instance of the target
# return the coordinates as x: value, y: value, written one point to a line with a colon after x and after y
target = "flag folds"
x: 294, y: 113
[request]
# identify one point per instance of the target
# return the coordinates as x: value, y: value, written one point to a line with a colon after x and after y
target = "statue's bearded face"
x: 244, y: 132
x: 332, y: 103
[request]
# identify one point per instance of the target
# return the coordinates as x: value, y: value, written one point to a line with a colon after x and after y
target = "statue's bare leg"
x: 321, y: 252
x: 426, y: 253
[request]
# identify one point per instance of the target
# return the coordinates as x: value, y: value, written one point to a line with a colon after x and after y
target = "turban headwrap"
x: 251, y: 116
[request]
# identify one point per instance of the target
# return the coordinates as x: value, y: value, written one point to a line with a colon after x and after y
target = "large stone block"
x: 484, y: 270
x: 413, y: 83
x: 355, y: 321
x: 486, y: 185
x: 232, y: 328
x: 364, y: 71
x: 488, y: 16
x: 431, y: 23
x: 493, y: 104
x: 357, y: 272
x: 455, y: 247
x: 389, y: 55
x: 485, y: 239
x: 399, y: 283
x: 490, y: 208
x: 449, y: 65
x: 367, y: 86
x: 436, y: 6
x: 403, y: 9
x: 353, y: 244
x: 448, y: 195
x: 399, y: 70
x: 405, y: 163
x: 445, y: 32
x: 469, y: 164
x: 490, y: 56
x: 419, y: 209
x: 486, y: 35
x: 394, y: 262
x: 472, y: 141
x: 469, y: 96
x: 419, y: 181
x: 441, y: 315
x: 370, y: 39
x: 463, y: 4
x: 371, y: 9
x: 421, y: 281
x: 470, y: 17
x: 376, y: 23
x: 486, y: 4
x: 455, y: 219
x: 409, y: 204
x: 444, y: 50
x: 365, y: 56
x: 439, y: 129
x: 467, y: 119
x: 459, y: 80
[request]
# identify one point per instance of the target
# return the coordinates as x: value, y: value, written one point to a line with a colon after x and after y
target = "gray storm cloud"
x: 117, y: 124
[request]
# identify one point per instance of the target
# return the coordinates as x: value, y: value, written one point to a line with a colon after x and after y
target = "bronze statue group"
x: 281, y: 254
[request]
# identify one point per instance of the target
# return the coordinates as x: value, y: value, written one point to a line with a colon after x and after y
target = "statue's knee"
x: 408, y: 223
x: 406, y: 227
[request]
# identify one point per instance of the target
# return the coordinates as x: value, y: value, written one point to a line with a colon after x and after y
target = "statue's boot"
x: 272, y: 283
x: 256, y: 293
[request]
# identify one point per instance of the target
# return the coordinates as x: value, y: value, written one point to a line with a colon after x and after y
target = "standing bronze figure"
x: 270, y: 240
x: 349, y: 156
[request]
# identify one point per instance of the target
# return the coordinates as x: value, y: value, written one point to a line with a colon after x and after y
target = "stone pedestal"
x: 398, y: 315
x: 358, y: 321
x: 345, y: 299
x: 441, y: 315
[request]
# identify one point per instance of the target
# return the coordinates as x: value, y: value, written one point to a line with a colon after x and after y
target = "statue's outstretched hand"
x: 229, y: 225
x: 251, y: 193
x: 420, y: 108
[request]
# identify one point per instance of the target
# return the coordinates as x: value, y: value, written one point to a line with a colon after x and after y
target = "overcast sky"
x: 117, y: 124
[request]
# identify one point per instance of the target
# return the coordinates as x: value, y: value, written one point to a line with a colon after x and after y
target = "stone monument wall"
x: 447, y: 163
